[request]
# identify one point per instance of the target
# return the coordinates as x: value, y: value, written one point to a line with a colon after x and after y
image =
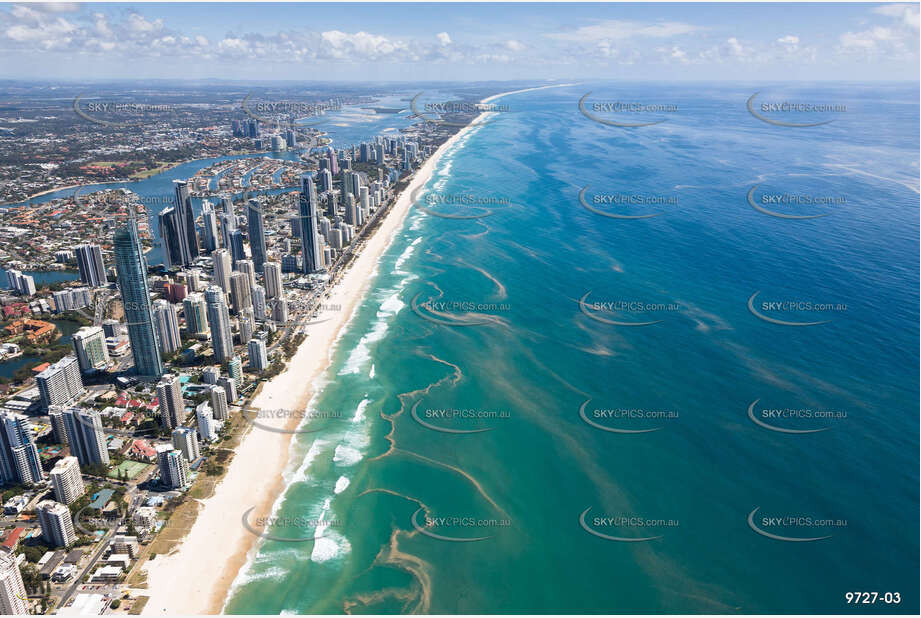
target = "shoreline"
x: 176, y: 582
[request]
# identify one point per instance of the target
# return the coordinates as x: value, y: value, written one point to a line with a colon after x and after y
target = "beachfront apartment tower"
x: 86, y: 435
x: 240, y: 292
x: 169, y: 397
x: 56, y: 523
x: 256, y: 231
x: 174, y: 469
x: 186, y: 441
x: 91, y: 265
x: 131, y: 267
x: 166, y: 321
x: 258, y: 357
x: 219, y: 322
x: 219, y: 403
x: 310, y: 236
x: 204, y: 416
x: 66, y: 480
x: 90, y: 347
x: 19, y: 461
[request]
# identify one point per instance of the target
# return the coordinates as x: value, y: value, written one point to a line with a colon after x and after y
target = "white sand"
x: 195, y: 578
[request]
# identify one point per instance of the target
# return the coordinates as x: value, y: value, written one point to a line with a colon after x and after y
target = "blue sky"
x: 460, y: 41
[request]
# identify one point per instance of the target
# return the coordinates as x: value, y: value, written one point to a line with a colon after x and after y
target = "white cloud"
x: 617, y: 30
x: 907, y: 12
x: 514, y: 45
x: 444, y: 38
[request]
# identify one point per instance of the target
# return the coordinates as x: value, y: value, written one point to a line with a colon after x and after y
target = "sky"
x: 462, y: 42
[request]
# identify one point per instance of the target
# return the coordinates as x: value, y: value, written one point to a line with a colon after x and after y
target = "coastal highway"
x: 78, y: 581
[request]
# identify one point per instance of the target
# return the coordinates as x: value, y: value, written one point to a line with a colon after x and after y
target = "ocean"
x: 544, y: 407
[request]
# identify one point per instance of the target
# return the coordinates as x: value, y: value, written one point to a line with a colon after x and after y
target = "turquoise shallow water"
x: 483, y: 316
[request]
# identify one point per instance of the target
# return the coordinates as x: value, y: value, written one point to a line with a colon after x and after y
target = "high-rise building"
x: 280, y: 310
x: 219, y: 403
x: 219, y: 321
x: 325, y: 178
x: 235, y: 370
x: 259, y: 305
x: 256, y: 231
x: 193, y: 279
x: 247, y: 324
x: 207, y: 428
x: 14, y: 601
x: 186, y: 441
x: 174, y: 469
x: 228, y: 223
x: 258, y: 357
x: 132, y: 282
x: 167, y: 322
x: 56, y: 522
x: 184, y: 207
x: 23, y: 284
x: 209, y: 226
x: 60, y: 382
x: 19, y: 462
x: 66, y: 480
x: 237, y: 252
x: 247, y: 266
x: 92, y: 267
x: 196, y: 315
x: 240, y: 294
x: 90, y: 347
x: 223, y: 266
x: 272, y: 279
x: 86, y: 435
x: 209, y: 375
x: 169, y: 397
x: 58, y: 429
x: 229, y: 387
x: 310, y: 241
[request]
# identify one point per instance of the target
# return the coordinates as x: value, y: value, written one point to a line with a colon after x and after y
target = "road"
x: 92, y: 563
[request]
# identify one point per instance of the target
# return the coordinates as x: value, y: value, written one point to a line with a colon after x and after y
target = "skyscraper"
x: 235, y: 369
x: 247, y: 324
x: 310, y: 241
x: 196, y: 315
x: 174, y: 469
x: 237, y: 252
x: 66, y: 480
x: 209, y: 226
x: 86, y: 436
x: 92, y: 268
x: 272, y: 279
x: 167, y: 323
x: 187, y: 218
x: 90, y: 347
x: 219, y: 321
x: 204, y: 416
x: 222, y: 269
x: 169, y: 397
x: 229, y: 387
x: 19, y: 462
x: 240, y: 294
x: 132, y: 282
x: 186, y: 441
x: 56, y: 522
x: 258, y: 358
x: 219, y: 403
x: 228, y: 223
x: 14, y: 600
x: 246, y: 266
x: 259, y: 305
x: 256, y: 231
x: 60, y: 382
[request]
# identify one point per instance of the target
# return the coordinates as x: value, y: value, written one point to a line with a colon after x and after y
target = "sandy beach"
x: 195, y: 578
